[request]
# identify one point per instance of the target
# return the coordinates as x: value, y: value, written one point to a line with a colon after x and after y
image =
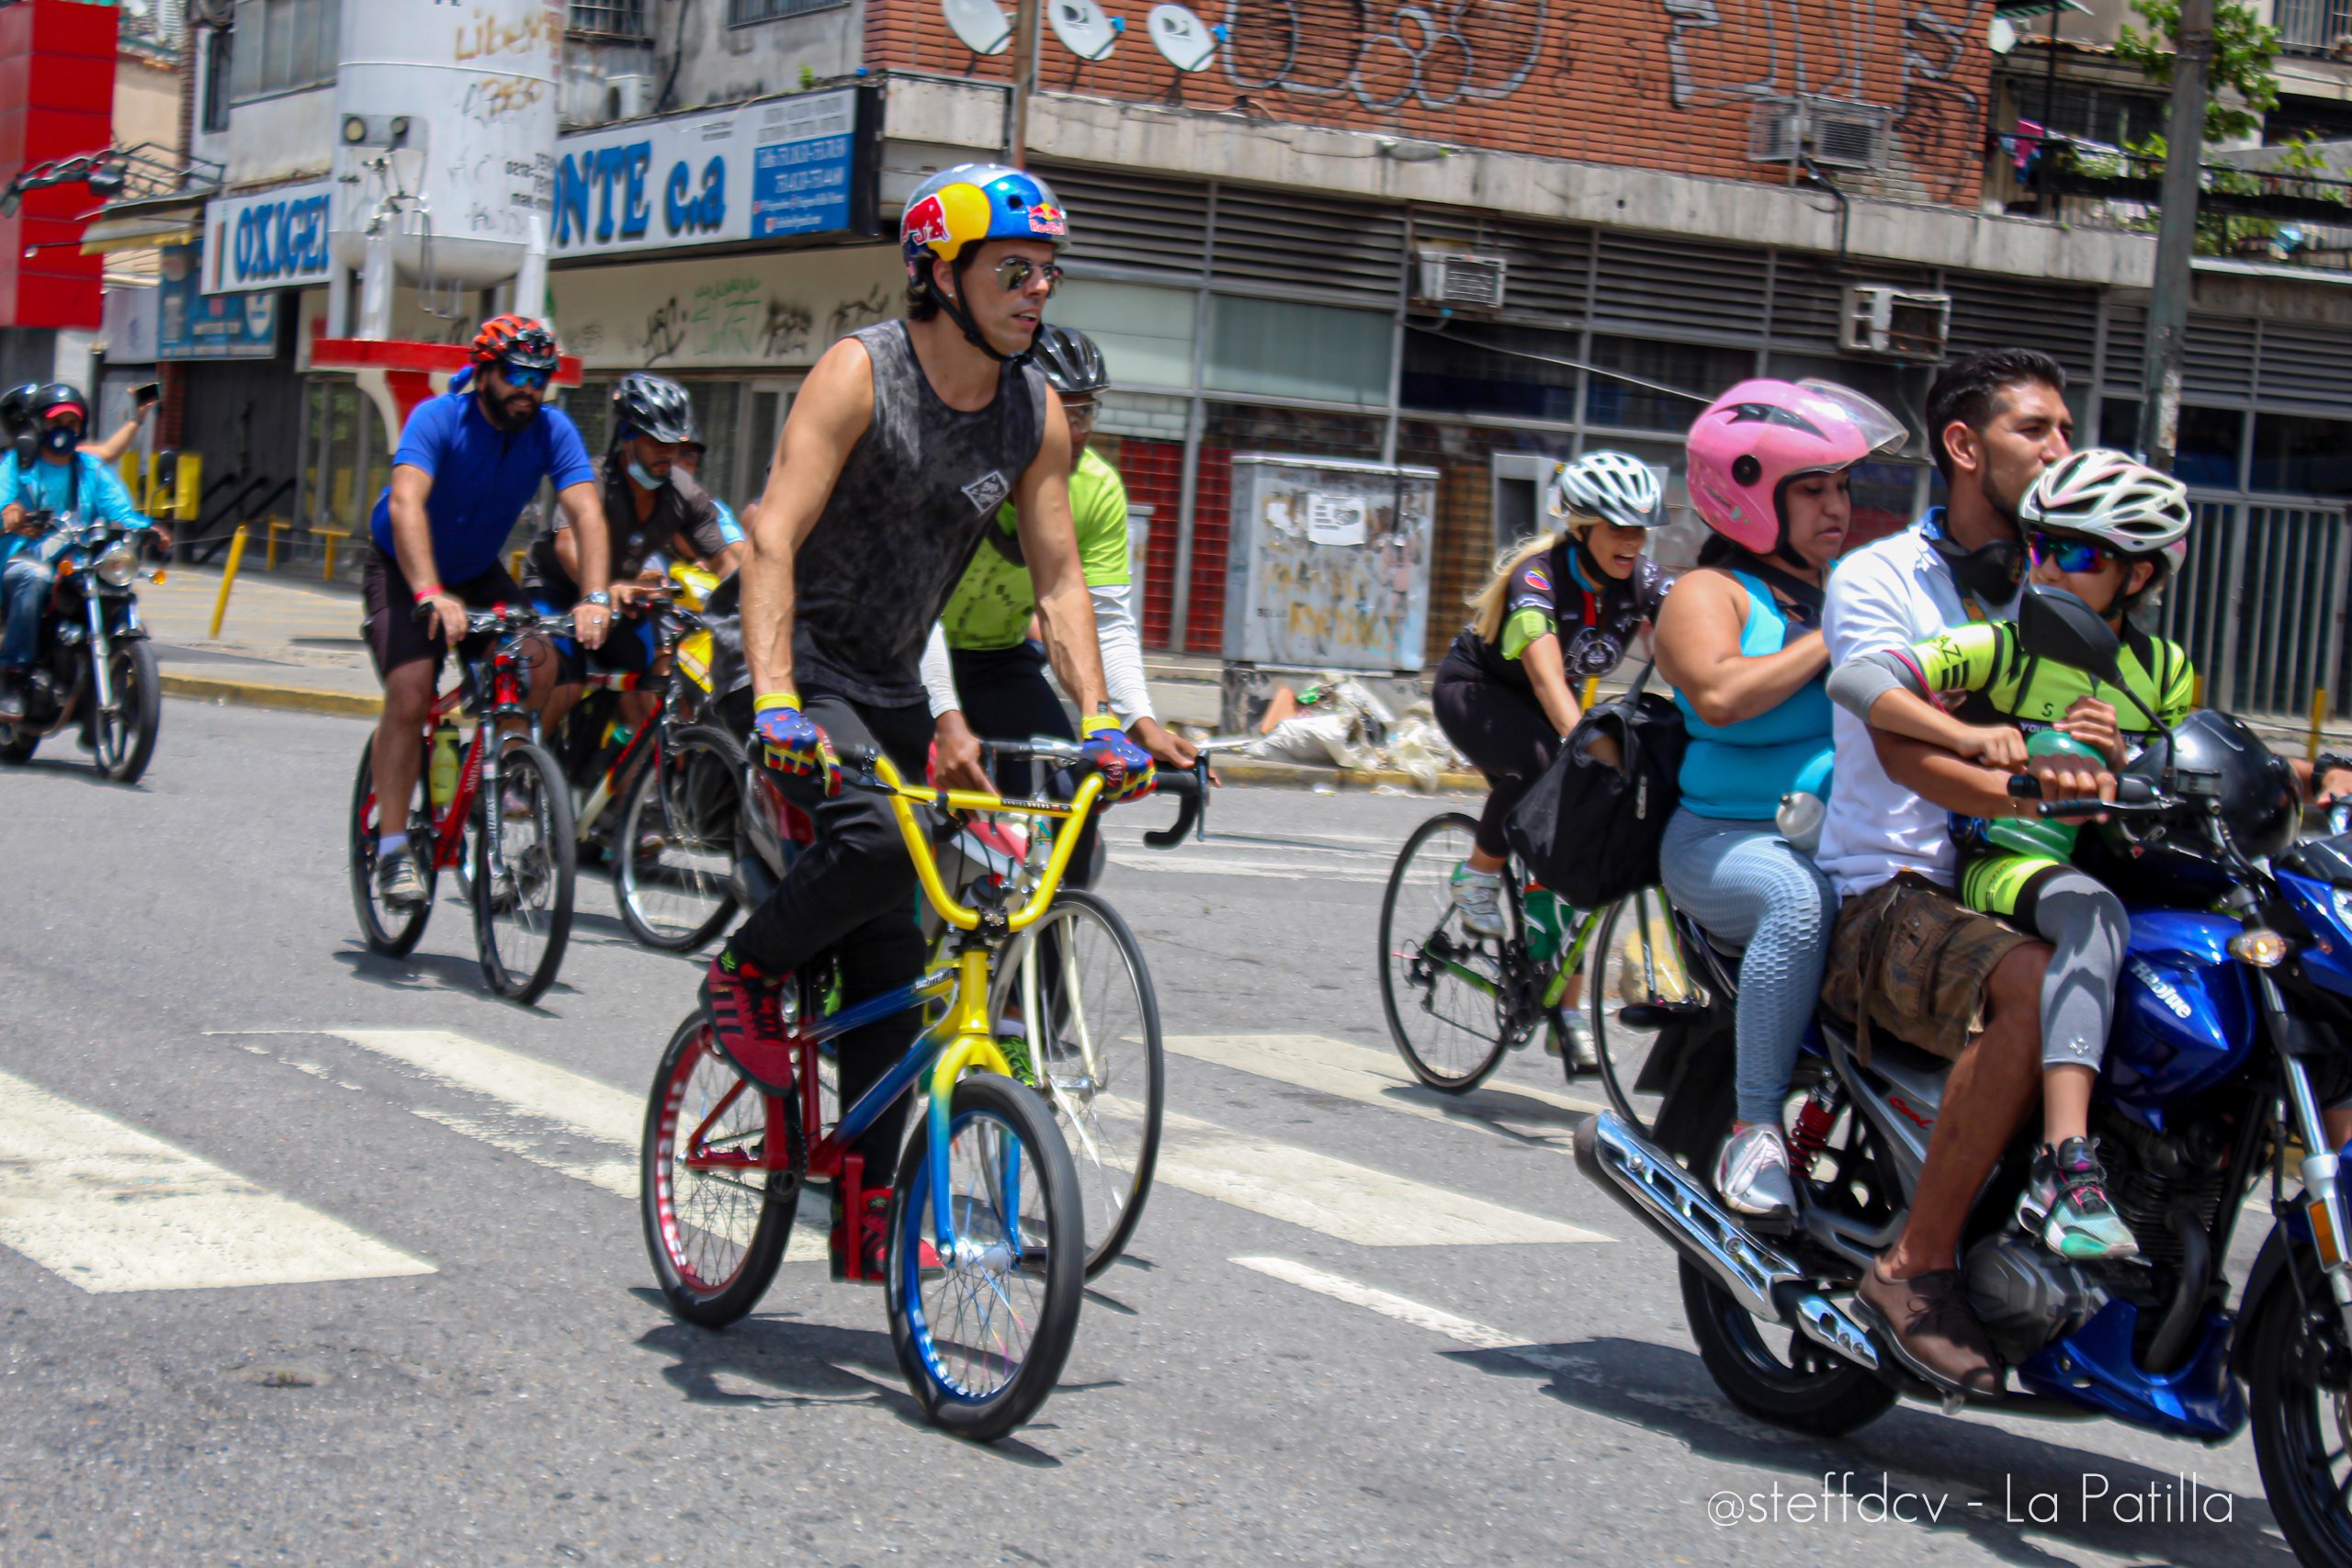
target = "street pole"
x: 1025, y: 20
x: 2176, y: 238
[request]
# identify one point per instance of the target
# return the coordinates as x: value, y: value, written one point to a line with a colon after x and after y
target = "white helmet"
x: 1615, y: 487
x: 2112, y: 496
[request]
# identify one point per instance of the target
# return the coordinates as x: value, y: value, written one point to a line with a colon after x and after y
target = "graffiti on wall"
x: 1385, y: 55
x: 1720, y: 52
x: 1938, y: 116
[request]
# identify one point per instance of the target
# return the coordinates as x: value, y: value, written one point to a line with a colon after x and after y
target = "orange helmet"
x: 520, y: 341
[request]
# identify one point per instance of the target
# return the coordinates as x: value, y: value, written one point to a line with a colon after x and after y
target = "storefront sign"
x: 277, y: 239
x: 192, y: 324
x: 775, y: 309
x: 788, y: 166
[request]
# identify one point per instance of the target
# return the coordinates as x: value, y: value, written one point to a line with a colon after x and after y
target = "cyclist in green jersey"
x: 2107, y: 529
x: 984, y: 671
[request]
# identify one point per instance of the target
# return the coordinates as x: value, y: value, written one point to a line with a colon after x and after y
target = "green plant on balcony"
x: 2242, y: 51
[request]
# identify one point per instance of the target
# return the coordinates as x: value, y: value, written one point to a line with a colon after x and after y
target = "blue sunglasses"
x: 2069, y: 553
x: 526, y: 381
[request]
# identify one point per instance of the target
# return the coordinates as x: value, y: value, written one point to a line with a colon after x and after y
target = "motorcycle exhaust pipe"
x: 1654, y: 1186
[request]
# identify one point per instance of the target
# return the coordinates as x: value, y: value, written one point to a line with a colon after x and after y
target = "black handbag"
x: 1591, y: 832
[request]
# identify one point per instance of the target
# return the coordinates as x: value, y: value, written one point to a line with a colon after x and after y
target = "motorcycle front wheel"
x: 2299, y: 1387
x: 126, y: 738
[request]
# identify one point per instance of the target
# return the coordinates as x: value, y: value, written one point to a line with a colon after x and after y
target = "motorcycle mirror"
x: 2062, y: 628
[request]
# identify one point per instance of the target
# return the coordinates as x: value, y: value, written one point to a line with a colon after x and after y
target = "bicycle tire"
x: 670, y: 787
x: 1023, y: 1119
x: 506, y: 965
x: 126, y: 745
x: 716, y: 1282
x: 393, y: 938
x: 1401, y: 970
x: 1113, y: 1173
x: 1652, y: 972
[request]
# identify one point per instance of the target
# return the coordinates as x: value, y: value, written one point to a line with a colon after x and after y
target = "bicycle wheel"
x: 674, y: 852
x: 1445, y: 991
x: 1634, y: 966
x: 522, y: 893
x: 1073, y: 1005
x: 981, y: 1336
x: 715, y: 1222
x: 391, y: 933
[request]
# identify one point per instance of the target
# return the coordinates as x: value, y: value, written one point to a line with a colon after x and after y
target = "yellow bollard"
x: 2196, y: 691
x: 229, y: 578
x: 1591, y: 690
x: 2319, y: 716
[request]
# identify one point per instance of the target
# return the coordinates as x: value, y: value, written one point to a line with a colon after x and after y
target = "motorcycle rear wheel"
x: 1805, y: 1388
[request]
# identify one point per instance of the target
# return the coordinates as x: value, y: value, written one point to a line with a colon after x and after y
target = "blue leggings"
x: 1744, y: 883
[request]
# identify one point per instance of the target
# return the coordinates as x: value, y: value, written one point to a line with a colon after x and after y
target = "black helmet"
x: 1070, y: 361
x: 651, y: 405
x: 2210, y: 753
x: 47, y: 403
x: 17, y: 408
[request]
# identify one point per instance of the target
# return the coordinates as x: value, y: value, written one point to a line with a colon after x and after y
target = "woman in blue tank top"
x: 1770, y: 464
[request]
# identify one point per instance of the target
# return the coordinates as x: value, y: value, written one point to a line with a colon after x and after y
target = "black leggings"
x: 1006, y: 697
x: 854, y: 891
x: 1505, y: 734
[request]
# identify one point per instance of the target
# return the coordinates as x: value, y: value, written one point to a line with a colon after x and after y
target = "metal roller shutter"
x: 1550, y: 267
x: 1662, y: 288
x: 2001, y: 312
x: 1352, y: 252
x: 1134, y: 221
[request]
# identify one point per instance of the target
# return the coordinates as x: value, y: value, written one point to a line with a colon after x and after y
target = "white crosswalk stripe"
x: 1302, y: 1186
x: 1523, y: 1112
x: 1404, y: 1309
x: 108, y: 1207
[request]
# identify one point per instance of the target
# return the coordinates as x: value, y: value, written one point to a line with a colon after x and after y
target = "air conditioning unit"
x: 1894, y: 324
x: 1459, y: 280
x: 626, y: 96
x: 1833, y: 132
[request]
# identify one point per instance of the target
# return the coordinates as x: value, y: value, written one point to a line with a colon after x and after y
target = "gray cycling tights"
x: 2085, y: 927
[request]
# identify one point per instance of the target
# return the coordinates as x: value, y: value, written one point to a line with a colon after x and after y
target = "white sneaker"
x: 1478, y: 894
x: 1752, y: 1173
x: 1584, y: 1052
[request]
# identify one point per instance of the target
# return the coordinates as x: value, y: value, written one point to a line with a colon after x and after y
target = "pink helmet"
x: 1760, y: 434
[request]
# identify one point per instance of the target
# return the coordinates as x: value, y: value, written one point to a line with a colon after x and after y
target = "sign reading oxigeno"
x: 277, y: 239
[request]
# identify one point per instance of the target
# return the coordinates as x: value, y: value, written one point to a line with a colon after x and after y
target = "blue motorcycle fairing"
x: 2093, y: 1366
x: 2328, y: 959
x: 2184, y: 1016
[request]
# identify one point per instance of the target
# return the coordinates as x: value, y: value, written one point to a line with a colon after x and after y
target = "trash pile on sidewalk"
x: 1340, y: 722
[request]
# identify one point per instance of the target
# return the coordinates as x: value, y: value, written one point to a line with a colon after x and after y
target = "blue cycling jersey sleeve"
x: 425, y: 438
x: 567, y: 462
x: 729, y: 529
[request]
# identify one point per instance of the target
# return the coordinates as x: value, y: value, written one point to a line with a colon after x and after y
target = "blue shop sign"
x: 192, y: 324
x: 275, y: 239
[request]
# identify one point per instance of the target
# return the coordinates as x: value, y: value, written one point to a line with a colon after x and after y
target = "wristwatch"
x: 601, y: 599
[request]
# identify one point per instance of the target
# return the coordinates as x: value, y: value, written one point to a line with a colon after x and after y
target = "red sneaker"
x: 875, y: 1237
x: 745, y: 1012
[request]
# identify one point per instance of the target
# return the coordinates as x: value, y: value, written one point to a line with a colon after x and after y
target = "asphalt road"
x: 481, y: 1373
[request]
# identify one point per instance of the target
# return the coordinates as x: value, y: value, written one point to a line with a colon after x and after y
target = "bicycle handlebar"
x: 1191, y: 788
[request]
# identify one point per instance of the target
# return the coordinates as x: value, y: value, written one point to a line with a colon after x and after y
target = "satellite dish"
x: 980, y: 24
x: 1084, y: 30
x: 2004, y: 35
x: 1185, y: 40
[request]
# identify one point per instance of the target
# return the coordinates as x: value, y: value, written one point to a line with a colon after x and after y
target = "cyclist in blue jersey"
x: 469, y: 462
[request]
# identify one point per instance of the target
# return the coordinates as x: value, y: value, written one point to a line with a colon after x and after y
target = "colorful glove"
x: 1127, y: 768
x: 794, y: 745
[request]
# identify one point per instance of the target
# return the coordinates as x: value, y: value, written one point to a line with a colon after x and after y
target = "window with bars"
x: 2311, y: 27
x: 744, y: 13
x: 218, y: 58
x: 283, y: 46
x: 622, y: 17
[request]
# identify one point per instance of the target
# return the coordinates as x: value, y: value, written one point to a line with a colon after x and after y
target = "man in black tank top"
x: 903, y: 442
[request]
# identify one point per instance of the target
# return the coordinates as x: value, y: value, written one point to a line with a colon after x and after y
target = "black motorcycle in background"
x: 94, y: 667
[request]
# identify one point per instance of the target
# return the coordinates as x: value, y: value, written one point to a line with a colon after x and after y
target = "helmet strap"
x: 954, y: 307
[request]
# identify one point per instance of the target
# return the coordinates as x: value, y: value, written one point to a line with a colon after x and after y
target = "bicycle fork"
x: 970, y: 1045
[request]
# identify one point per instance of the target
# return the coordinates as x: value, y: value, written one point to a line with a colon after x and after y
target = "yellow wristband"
x: 1096, y: 723
x: 776, y: 700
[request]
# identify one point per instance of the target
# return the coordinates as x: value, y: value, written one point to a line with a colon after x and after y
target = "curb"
x: 286, y: 699
x: 353, y: 705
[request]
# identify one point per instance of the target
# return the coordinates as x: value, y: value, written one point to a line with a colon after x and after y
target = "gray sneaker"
x: 398, y: 885
x: 1583, y: 1051
x: 1752, y: 1173
x: 1478, y: 894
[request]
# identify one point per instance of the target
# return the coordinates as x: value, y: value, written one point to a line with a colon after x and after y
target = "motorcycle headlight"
x: 117, y: 565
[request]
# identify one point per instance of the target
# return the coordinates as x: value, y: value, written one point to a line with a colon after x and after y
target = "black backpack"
x: 1591, y: 832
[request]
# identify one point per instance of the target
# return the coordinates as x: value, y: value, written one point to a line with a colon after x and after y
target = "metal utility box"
x: 1328, y: 563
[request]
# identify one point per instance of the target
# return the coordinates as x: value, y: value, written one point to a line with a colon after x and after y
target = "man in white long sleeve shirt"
x: 985, y: 677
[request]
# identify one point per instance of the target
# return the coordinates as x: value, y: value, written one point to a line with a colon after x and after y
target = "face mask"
x: 645, y: 481
x: 61, y: 437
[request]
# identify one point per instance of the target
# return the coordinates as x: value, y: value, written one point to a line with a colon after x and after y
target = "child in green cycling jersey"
x: 2107, y: 529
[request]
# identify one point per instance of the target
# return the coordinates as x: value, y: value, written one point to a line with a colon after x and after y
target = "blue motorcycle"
x: 2234, y: 1026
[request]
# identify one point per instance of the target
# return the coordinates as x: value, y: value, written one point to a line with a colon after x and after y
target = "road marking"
x: 108, y: 1207
x: 1419, y: 1314
x: 534, y: 1093
x: 1404, y: 1309
x: 1350, y: 1203
x: 1378, y: 1078
x: 1211, y: 865
x: 1347, y: 1202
